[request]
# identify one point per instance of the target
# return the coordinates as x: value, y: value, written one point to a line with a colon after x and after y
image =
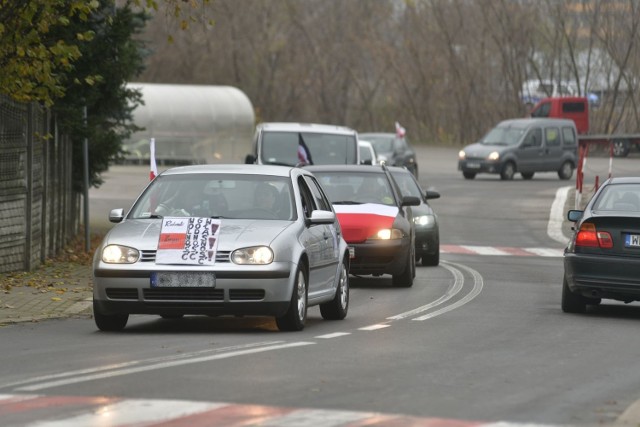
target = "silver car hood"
x: 143, y: 234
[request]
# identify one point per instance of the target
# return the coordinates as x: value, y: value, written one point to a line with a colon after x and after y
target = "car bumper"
x: 380, y: 257
x: 603, y: 277
x: 479, y: 166
x: 249, y: 290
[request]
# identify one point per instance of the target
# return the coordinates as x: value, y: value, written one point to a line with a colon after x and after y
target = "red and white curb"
x: 72, y: 411
x: 500, y: 251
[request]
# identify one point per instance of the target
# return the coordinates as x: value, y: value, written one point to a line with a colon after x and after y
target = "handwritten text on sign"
x: 188, y: 241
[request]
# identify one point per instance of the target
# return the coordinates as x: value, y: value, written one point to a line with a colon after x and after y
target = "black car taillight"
x: 590, y: 237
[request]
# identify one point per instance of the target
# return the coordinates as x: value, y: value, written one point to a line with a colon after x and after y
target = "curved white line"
x: 477, y: 288
x: 454, y: 289
x: 556, y: 216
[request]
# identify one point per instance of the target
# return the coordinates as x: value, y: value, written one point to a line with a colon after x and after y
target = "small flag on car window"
x: 400, y: 131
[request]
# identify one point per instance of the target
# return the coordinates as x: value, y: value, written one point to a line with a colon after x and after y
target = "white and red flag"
x: 152, y: 153
x: 400, y: 131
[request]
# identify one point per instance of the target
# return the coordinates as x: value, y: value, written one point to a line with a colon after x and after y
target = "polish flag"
x: 152, y: 153
x: 400, y: 131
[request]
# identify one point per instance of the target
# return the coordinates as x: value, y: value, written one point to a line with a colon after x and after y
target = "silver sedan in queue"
x: 224, y: 240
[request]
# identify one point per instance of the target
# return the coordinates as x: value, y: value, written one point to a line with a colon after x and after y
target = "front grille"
x: 246, y: 294
x: 122, y: 293
x: 221, y: 256
x: 183, y: 294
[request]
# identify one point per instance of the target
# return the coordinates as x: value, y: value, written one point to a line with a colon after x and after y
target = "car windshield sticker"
x: 188, y: 241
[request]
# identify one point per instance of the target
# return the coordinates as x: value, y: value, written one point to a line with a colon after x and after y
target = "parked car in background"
x: 602, y: 259
x: 393, y: 150
x: 293, y: 144
x: 523, y: 145
x: 224, y: 240
x: 368, y: 154
x: 376, y: 219
x: 424, y: 218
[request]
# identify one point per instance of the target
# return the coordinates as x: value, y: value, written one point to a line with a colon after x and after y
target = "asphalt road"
x: 480, y: 337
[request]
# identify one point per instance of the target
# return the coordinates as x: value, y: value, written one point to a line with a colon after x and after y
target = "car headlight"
x: 493, y: 156
x: 388, y: 234
x: 462, y: 154
x: 257, y: 255
x: 117, y: 254
x: 424, y: 220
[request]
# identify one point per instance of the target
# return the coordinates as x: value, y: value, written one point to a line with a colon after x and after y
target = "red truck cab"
x: 574, y: 107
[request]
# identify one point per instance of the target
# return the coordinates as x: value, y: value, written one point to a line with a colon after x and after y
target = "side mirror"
x: 321, y: 217
x: 574, y: 215
x: 250, y: 159
x: 430, y: 194
x: 366, y: 162
x: 410, y: 201
x: 116, y: 215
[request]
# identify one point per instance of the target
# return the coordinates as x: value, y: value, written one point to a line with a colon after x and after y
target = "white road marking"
x: 316, y: 418
x: 485, y: 250
x: 454, y: 289
x: 133, y: 412
x: 161, y: 365
x: 547, y: 252
x: 477, y: 288
x: 333, y: 335
x: 137, y: 362
x: 556, y: 216
x: 374, y: 327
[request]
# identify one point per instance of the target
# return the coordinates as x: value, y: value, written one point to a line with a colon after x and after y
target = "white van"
x: 535, y: 90
x: 294, y: 144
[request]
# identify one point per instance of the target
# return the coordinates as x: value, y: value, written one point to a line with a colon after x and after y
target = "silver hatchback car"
x: 224, y: 240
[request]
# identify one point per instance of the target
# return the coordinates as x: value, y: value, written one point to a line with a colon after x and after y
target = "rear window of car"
x: 619, y: 197
x: 292, y: 148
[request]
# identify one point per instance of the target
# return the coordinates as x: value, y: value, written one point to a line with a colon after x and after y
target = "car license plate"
x: 632, y: 240
x: 473, y: 165
x: 352, y: 252
x: 184, y: 279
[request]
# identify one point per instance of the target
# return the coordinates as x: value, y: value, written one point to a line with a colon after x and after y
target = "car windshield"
x: 292, y: 148
x: 382, y: 144
x: 407, y: 184
x: 356, y: 188
x: 503, y: 136
x: 228, y: 196
x: 619, y: 197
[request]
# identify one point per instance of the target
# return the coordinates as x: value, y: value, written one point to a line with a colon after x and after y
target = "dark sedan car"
x: 602, y: 259
x: 424, y: 218
x: 375, y: 219
x: 393, y: 150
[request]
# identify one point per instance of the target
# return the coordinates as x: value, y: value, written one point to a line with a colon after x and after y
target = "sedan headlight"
x: 462, y: 154
x: 388, y: 234
x: 117, y: 254
x: 493, y: 156
x: 257, y: 255
x: 424, y: 220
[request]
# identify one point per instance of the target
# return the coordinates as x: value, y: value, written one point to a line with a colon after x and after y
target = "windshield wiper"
x: 346, y: 202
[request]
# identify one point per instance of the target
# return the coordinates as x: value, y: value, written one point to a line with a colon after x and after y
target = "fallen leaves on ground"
x: 57, y: 273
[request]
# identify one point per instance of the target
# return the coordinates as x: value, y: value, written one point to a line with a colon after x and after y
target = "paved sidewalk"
x: 52, y: 291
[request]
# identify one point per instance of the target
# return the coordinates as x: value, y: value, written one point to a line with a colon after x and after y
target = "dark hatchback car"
x: 602, y: 259
x: 376, y: 220
x: 424, y: 217
x: 393, y: 150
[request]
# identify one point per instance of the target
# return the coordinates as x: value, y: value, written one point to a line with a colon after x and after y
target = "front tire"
x: 109, y: 322
x: 572, y: 303
x: 296, y: 315
x: 621, y: 148
x: 469, y: 175
x: 337, y: 308
x: 405, y: 280
x: 508, y: 171
x: 566, y: 171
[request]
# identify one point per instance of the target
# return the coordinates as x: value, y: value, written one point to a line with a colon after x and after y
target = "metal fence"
x: 39, y: 211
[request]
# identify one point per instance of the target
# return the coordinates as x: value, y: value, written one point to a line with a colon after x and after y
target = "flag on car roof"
x: 400, y: 131
x: 152, y: 154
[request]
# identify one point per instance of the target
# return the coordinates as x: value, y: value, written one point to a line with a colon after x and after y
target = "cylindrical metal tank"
x: 192, y: 124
